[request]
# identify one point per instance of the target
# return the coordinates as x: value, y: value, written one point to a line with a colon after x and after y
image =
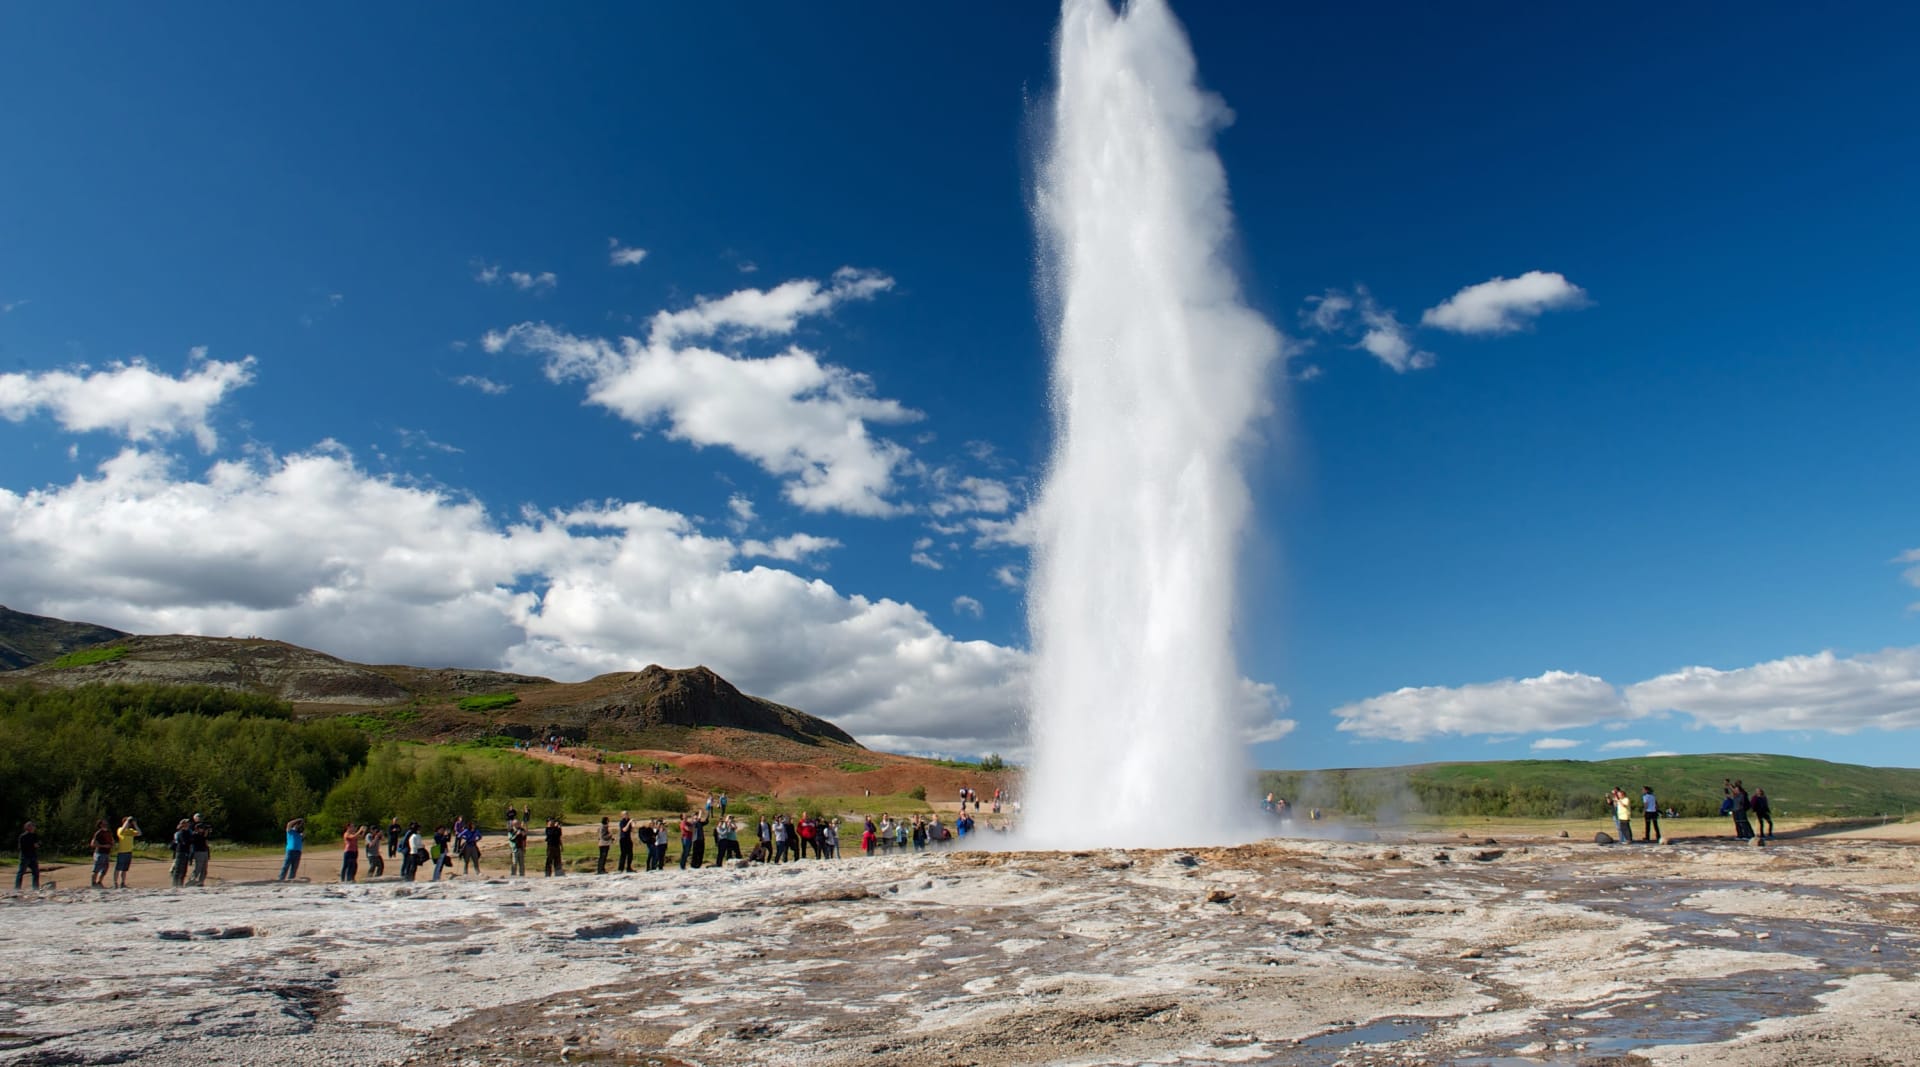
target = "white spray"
x: 1159, y: 372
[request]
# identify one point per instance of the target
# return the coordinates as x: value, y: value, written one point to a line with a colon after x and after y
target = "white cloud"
x: 309, y: 548
x: 1912, y: 574
x: 420, y: 440
x: 972, y: 494
x: 966, y: 605
x: 7, y: 306
x: 130, y: 399
x: 797, y: 417
x: 1504, y: 305
x: 1380, y: 332
x: 525, y: 281
x: 1556, y: 700
x: 485, y: 385
x: 1624, y: 745
x: 1010, y: 576
x: 920, y: 558
x: 1021, y: 530
x: 767, y: 312
x: 793, y: 548
x: 621, y: 256
x: 1259, y: 710
x: 740, y: 512
x: 1553, y: 744
x: 1824, y: 691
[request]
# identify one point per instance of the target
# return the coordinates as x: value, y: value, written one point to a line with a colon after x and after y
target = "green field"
x: 1544, y: 789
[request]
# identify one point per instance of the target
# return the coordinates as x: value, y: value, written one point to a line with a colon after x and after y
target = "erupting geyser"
x: 1159, y: 372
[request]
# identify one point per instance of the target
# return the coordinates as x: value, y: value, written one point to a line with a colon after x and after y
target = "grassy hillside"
x: 1551, y: 788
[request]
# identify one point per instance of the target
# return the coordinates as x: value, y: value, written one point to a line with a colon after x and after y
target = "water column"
x: 1160, y: 371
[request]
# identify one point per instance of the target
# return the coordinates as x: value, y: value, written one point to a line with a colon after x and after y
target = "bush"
x: 918, y: 792
x: 85, y: 657
x: 488, y: 701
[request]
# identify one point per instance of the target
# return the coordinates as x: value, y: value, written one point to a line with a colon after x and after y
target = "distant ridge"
x: 29, y: 639
x: 414, y: 702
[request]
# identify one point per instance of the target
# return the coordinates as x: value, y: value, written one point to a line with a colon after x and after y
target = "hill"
x: 29, y: 639
x: 1551, y: 788
x: 656, y: 707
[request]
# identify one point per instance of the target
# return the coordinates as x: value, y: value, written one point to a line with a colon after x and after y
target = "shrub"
x: 488, y: 701
x: 851, y: 767
x: 86, y: 656
x: 918, y: 792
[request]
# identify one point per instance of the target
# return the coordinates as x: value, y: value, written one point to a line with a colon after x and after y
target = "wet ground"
x: 1312, y: 953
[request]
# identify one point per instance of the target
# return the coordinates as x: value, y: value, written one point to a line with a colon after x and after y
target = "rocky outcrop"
x: 29, y: 639
x: 696, y: 696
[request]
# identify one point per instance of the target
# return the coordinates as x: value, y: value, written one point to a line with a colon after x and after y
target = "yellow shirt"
x: 127, y: 834
x: 1623, y: 809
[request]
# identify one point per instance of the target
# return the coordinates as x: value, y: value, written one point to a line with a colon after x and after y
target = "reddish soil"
x: 816, y: 774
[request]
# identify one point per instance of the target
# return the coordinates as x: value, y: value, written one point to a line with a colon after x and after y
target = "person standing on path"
x: 350, y: 853
x: 554, y: 832
x: 517, y: 849
x: 102, y: 845
x: 1742, y: 804
x: 182, y: 853
x: 202, y: 849
x: 296, y: 841
x: 123, y: 851
x: 626, y: 843
x: 370, y: 837
x: 29, y: 856
x: 1651, y: 830
x: 1762, y: 812
x: 394, y: 840
x: 1622, y: 815
x: 605, y: 842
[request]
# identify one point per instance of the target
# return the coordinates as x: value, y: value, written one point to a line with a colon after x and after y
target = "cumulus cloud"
x: 1010, y: 576
x: 1556, y: 700
x: 797, y: 417
x: 793, y: 548
x: 966, y: 605
x: 1504, y: 305
x: 1824, y: 691
x: 1258, y: 709
x: 621, y: 256
x: 312, y: 549
x: 129, y: 399
x: 1379, y: 331
x: 970, y: 494
x: 1553, y: 744
x: 767, y: 312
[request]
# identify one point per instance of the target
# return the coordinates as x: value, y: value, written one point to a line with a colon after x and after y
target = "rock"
x: 1563, y: 833
x: 1603, y: 838
x: 173, y: 935
x: 1218, y: 896
x: 232, y: 933
x: 1185, y: 860
x: 1443, y: 857
x: 1488, y: 854
x: 1117, y: 860
x: 1472, y: 954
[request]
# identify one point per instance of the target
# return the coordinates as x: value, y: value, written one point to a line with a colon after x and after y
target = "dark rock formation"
x: 658, y: 696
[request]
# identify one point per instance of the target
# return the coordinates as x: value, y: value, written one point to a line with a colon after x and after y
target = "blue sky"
x: 412, y: 432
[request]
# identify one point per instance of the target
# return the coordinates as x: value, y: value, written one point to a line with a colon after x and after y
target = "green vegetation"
x: 433, y: 783
x: 161, y: 753
x: 1558, y: 788
x: 488, y: 701
x: 851, y: 767
x: 87, y: 656
x: 993, y: 762
x: 918, y: 792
